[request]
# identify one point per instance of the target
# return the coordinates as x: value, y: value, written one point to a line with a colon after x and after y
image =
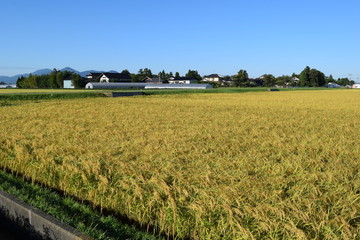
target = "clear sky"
x: 261, y: 36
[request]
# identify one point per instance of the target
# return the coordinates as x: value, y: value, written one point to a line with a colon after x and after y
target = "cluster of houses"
x: 118, y: 77
x: 118, y: 80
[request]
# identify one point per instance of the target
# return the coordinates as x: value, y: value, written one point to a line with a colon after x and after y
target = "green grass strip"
x: 48, y: 96
x: 70, y: 211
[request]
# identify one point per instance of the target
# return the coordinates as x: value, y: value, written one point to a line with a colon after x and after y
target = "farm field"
x: 264, y: 165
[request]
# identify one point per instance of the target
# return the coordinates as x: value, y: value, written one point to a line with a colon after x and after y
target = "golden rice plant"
x: 272, y: 165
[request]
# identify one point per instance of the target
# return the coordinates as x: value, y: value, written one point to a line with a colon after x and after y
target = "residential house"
x: 213, y: 78
x: 113, y: 77
x: 182, y: 80
x: 356, y: 85
x: 93, y: 75
x: 155, y: 80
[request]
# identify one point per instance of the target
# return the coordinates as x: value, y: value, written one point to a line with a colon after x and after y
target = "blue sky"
x: 278, y: 37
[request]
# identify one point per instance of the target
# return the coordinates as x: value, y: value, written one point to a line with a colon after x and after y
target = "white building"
x: 356, y: 85
x: 213, y: 78
x: 68, y: 84
x: 7, y: 85
x: 113, y: 77
x: 332, y: 85
x: 182, y: 80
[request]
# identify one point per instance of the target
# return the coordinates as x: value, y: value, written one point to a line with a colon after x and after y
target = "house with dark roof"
x: 114, y: 77
x: 156, y: 80
x: 213, y: 78
x: 93, y: 75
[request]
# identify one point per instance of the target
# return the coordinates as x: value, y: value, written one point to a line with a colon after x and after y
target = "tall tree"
x: 20, y: 82
x: 241, y: 79
x: 283, y: 80
x: 59, y: 79
x: 345, y: 81
x: 330, y: 79
x: 77, y: 81
x: 125, y: 74
x: 52, y: 79
x: 193, y: 74
x: 317, y: 78
x: 162, y: 74
x: 268, y: 80
x: 311, y: 78
x: 304, y: 78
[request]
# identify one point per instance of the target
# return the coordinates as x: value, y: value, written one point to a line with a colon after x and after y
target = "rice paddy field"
x: 265, y: 165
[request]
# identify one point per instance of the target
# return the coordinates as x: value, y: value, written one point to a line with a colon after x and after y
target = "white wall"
x: 68, y: 84
x: 104, y: 79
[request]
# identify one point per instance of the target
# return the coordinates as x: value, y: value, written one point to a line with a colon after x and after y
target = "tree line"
x: 54, y: 79
x: 309, y: 77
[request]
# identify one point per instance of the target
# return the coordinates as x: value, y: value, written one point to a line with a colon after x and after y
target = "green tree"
x: 317, y: 78
x: 311, y: 78
x: 330, y: 79
x: 146, y: 72
x: 142, y: 73
x: 193, y: 74
x: 241, y: 79
x: 59, y: 79
x: 20, y: 82
x: 43, y: 81
x: 125, y: 74
x: 77, y: 81
x: 177, y: 75
x: 52, y: 78
x: 283, y: 80
x: 162, y: 74
x: 344, y: 81
x: 31, y: 81
x: 304, y: 78
x: 268, y: 80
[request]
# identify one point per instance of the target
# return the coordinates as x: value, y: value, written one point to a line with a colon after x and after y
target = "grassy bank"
x: 70, y: 211
x: 48, y: 96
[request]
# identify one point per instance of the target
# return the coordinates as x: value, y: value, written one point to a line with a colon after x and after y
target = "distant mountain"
x: 84, y: 73
x: 70, y: 70
x: 13, y: 79
x: 6, y: 79
x: 40, y: 72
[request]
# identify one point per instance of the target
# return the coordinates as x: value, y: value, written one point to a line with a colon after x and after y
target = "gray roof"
x: 214, y: 75
x: 178, y: 86
x: 97, y: 85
